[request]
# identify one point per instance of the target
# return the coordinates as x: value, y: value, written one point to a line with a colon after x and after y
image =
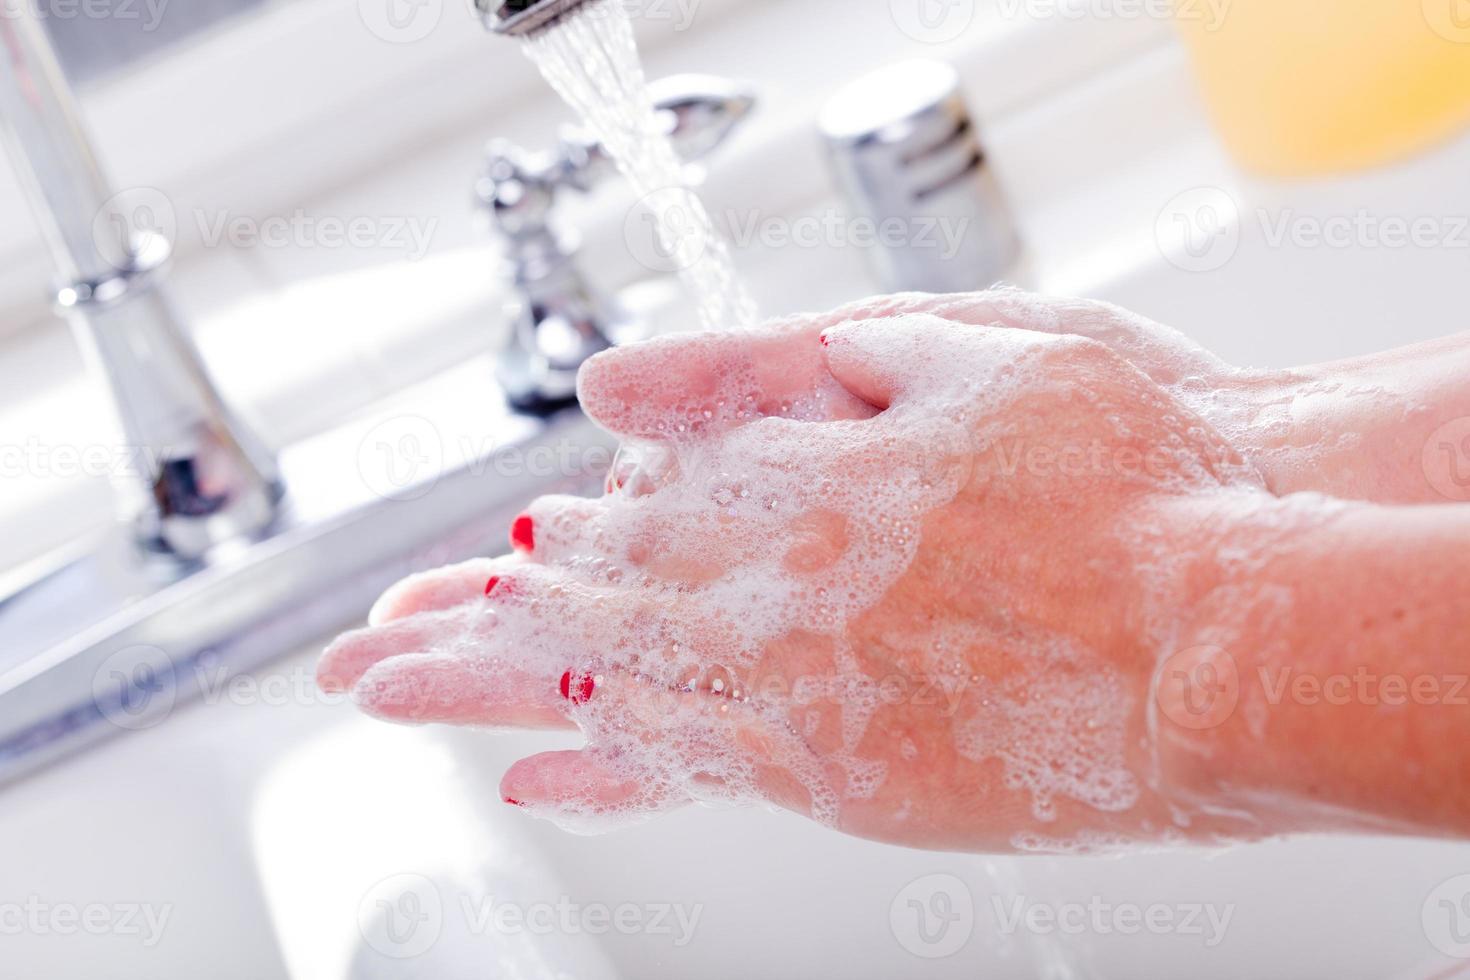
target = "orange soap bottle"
x: 1323, y: 86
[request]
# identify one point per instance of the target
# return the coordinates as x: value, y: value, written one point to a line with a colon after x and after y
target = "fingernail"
x: 583, y: 691
x: 523, y: 534
x: 490, y: 585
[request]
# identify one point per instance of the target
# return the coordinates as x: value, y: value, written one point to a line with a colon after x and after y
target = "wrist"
x: 1215, y: 682
x: 1386, y: 429
x: 1286, y: 423
x: 1316, y: 679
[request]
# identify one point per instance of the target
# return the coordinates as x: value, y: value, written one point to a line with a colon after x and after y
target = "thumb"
x: 884, y: 361
x: 662, y: 387
x: 880, y: 360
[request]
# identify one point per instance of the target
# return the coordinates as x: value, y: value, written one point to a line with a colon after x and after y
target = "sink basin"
x: 780, y: 897
x: 383, y: 854
x: 281, y: 835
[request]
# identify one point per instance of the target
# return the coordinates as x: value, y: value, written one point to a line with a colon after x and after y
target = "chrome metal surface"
x: 112, y: 641
x: 519, y: 17
x: 53, y: 155
x: 560, y: 319
x: 110, y: 637
x: 208, y: 479
x: 905, y: 153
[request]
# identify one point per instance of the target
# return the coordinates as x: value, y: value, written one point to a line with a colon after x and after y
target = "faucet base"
x: 114, y: 639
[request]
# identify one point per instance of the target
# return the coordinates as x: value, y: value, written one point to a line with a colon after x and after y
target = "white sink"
x: 780, y: 897
x: 274, y: 826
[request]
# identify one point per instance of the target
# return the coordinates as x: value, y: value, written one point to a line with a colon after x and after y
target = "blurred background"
x: 1283, y: 180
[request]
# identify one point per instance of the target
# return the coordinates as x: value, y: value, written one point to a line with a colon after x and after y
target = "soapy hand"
x: 785, y: 367
x: 1353, y: 429
x: 894, y: 570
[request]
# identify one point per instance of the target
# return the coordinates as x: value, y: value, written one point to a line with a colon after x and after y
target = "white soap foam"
x: 1059, y: 726
x: 723, y: 541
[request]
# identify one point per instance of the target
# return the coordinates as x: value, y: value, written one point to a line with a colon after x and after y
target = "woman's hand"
x: 779, y: 369
x: 1386, y: 428
x: 912, y: 580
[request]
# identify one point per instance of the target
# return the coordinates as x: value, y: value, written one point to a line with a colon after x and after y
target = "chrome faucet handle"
x: 904, y: 149
x: 210, y: 478
x: 518, y: 188
x: 560, y: 320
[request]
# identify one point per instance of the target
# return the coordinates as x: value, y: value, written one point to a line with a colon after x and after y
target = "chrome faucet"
x: 211, y: 479
x: 522, y: 17
x: 905, y: 153
x: 105, y: 637
x: 559, y: 319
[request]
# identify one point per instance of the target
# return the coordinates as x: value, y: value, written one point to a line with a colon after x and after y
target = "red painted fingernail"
x: 523, y: 534
x: 490, y: 585
x: 583, y: 692
x: 512, y: 802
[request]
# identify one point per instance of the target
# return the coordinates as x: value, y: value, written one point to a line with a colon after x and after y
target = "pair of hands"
x: 909, y: 568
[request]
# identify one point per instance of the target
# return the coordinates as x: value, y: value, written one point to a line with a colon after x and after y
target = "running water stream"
x: 591, y: 59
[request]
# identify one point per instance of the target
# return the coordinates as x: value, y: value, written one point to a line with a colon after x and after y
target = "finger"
x: 442, y: 588
x: 1163, y: 353
x: 692, y: 382
x: 1002, y: 307
x: 352, y: 654
x: 425, y: 687
x: 877, y: 360
x: 499, y: 648
x: 591, y: 541
x: 881, y: 360
x: 647, y: 390
x: 563, y: 528
x: 583, y: 792
x: 1012, y: 308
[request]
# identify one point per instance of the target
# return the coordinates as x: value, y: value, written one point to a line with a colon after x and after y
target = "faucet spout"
x: 208, y: 478
x: 523, y: 17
